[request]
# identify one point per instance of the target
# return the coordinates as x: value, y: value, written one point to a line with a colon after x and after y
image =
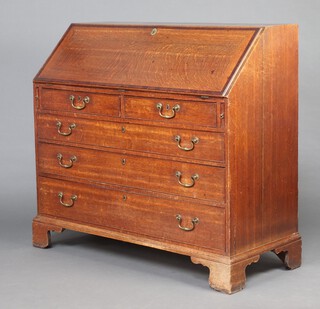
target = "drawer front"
x: 176, y: 111
x: 80, y: 102
x: 135, y: 213
x: 173, y: 142
x: 134, y: 171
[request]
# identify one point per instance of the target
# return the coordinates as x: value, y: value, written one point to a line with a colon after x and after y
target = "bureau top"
x: 192, y: 59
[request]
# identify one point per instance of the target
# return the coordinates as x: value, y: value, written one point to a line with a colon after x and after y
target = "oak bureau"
x: 176, y: 137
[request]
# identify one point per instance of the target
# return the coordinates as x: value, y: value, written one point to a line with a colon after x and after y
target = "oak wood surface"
x: 290, y: 254
x: 228, y: 278
x: 141, y: 172
x: 142, y: 138
x: 136, y: 213
x: 244, y: 123
x: 280, y: 134
x: 41, y: 233
x: 42, y: 224
x: 59, y: 100
x: 146, y: 109
x: 262, y: 134
x: 185, y: 59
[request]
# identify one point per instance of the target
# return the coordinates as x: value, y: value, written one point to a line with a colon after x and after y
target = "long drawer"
x: 167, y: 176
x: 169, y: 141
x: 140, y: 214
x: 80, y: 102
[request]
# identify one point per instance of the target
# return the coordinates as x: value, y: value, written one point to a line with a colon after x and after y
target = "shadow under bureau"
x: 181, y: 138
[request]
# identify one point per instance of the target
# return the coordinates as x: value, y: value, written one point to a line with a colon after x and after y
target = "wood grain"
x: 227, y: 278
x: 176, y: 59
x: 280, y: 134
x: 59, y: 100
x: 146, y: 109
x: 262, y: 133
x: 245, y: 125
x: 137, y: 213
x: 146, y: 173
x: 150, y: 139
x: 41, y: 233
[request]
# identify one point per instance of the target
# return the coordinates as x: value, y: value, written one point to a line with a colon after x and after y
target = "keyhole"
x: 168, y: 107
x: 123, y: 161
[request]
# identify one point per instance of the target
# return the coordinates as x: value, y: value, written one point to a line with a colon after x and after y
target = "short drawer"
x: 189, y: 144
x: 171, y: 111
x: 80, y: 102
x: 166, y: 176
x: 139, y: 214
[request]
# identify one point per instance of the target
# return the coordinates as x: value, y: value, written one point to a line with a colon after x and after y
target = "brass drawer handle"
x: 73, y: 198
x: 72, y: 159
x: 194, y: 221
x: 187, y: 185
x: 174, y: 109
x: 194, y: 140
x: 71, y: 127
x: 85, y: 101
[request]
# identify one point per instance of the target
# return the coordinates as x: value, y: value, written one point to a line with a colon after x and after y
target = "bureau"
x: 177, y: 137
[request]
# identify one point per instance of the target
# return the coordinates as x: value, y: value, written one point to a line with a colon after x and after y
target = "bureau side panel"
x: 244, y: 159
x: 263, y: 117
x: 280, y: 132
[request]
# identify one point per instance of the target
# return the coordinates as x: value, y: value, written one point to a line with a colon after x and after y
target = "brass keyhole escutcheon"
x: 123, y: 161
x: 123, y: 130
x: 154, y: 31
